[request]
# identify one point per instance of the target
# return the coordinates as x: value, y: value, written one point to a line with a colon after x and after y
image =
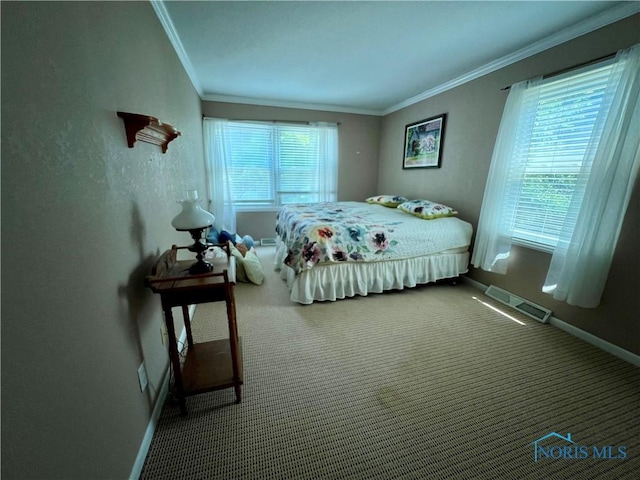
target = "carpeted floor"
x: 421, y: 383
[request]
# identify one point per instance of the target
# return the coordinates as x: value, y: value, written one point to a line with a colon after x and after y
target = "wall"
x: 474, y: 112
x: 83, y: 217
x: 358, y: 137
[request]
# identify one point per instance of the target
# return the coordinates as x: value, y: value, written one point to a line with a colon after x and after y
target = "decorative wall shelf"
x: 147, y: 129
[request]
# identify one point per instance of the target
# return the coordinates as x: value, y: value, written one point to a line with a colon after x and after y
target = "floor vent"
x: 525, y: 306
x: 267, y: 241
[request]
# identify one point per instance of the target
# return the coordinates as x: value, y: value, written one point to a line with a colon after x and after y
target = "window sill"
x: 250, y: 209
x: 532, y: 245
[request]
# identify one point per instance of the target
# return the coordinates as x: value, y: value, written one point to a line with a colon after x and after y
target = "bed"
x: 330, y: 251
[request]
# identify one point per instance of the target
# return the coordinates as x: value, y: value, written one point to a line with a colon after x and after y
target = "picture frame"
x: 423, y: 142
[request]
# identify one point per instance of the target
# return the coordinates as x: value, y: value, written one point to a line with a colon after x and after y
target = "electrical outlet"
x: 142, y: 377
x: 165, y: 335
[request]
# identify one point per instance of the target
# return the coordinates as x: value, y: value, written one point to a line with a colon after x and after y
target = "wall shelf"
x: 147, y: 129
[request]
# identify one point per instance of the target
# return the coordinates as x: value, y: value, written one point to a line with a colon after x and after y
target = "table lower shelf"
x: 208, y: 367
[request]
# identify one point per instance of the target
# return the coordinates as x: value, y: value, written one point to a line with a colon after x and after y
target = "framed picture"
x: 423, y: 143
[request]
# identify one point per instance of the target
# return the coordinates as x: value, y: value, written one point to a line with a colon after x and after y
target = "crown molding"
x: 618, y: 13
x: 174, y: 38
x: 581, y: 28
x: 284, y: 104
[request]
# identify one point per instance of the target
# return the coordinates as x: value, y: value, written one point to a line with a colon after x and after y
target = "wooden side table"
x: 209, y: 365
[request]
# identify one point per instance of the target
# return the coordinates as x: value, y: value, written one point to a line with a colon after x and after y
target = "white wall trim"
x: 143, y: 451
x: 151, y: 428
x: 170, y: 29
x: 608, y: 347
x: 623, y: 11
x: 475, y: 284
x: 618, y: 13
x: 284, y: 104
x: 619, y: 352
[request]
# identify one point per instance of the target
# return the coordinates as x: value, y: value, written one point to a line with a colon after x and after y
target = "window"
x: 270, y: 165
x: 550, y: 150
x: 561, y: 176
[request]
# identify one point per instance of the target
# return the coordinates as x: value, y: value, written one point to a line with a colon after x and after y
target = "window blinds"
x: 551, y: 145
x: 251, y: 149
x: 277, y: 164
x: 298, y: 164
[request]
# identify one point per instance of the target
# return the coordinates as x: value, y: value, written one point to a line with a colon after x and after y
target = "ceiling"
x: 364, y: 57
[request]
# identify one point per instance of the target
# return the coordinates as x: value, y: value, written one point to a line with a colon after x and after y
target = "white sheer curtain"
x: 495, y: 226
x: 328, y: 156
x: 581, y: 261
x: 216, y: 147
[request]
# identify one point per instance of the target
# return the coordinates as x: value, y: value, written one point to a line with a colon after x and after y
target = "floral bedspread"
x: 360, y: 232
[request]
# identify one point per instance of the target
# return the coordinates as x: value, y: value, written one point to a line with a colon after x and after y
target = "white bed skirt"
x: 348, y: 279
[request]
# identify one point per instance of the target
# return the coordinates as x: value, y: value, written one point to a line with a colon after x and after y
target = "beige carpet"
x: 422, y: 383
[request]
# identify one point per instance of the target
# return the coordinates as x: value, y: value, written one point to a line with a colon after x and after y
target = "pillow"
x: 242, y: 248
x: 225, y: 237
x: 426, y: 209
x: 391, y: 201
x: 241, y: 275
x: 248, y: 266
x: 248, y: 241
x: 213, y: 236
x: 253, y: 267
x: 215, y: 252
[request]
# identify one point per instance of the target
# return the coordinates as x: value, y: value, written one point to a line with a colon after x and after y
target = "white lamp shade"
x: 192, y: 216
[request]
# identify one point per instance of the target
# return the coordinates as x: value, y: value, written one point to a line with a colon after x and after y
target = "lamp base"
x: 200, y: 267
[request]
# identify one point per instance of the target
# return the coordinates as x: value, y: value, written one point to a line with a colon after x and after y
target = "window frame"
x: 527, y: 238
x: 275, y: 167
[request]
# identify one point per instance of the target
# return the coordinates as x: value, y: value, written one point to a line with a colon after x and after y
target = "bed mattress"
x: 354, y: 232
x: 338, y: 250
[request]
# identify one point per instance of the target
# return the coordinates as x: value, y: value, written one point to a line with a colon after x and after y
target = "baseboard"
x: 615, y: 350
x: 151, y: 428
x: 474, y: 283
x: 157, y: 410
x: 619, y: 352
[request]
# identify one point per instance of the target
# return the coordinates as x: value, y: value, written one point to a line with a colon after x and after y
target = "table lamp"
x: 195, y: 220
